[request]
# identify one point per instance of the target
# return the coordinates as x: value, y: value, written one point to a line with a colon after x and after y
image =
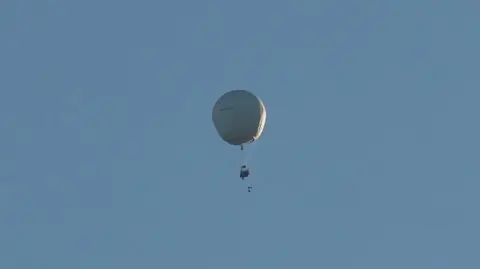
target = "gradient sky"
x: 369, y: 159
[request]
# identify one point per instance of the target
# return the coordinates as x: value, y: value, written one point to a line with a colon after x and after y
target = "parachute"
x: 239, y: 118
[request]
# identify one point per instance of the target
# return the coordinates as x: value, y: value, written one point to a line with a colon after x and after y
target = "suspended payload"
x: 239, y: 117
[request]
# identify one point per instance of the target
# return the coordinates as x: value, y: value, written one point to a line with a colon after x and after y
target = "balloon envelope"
x: 239, y: 117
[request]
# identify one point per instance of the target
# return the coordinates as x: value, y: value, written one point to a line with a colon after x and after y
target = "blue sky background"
x: 369, y: 159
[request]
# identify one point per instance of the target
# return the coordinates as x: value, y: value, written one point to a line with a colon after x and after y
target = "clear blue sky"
x: 369, y: 159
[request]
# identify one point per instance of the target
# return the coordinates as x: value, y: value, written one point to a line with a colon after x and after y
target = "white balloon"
x: 239, y: 117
